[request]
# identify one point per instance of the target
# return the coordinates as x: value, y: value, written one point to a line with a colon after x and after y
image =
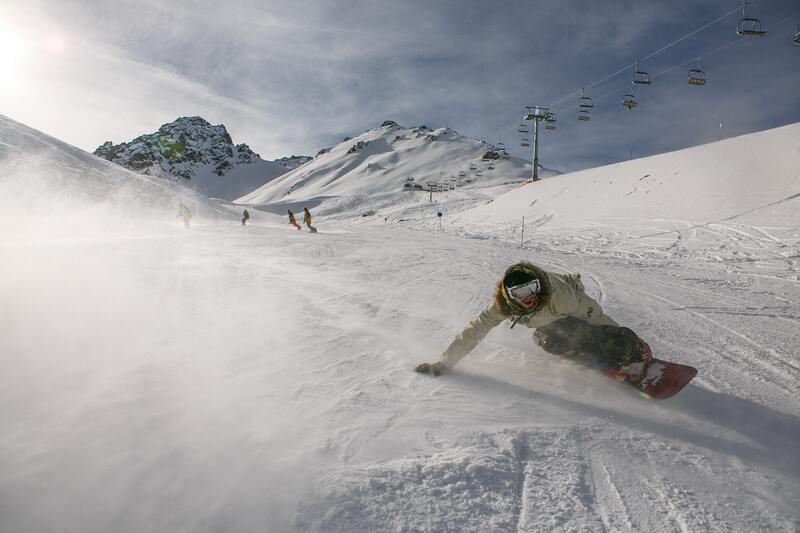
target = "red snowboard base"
x: 661, y: 381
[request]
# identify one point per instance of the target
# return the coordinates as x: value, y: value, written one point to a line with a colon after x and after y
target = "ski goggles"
x: 520, y: 292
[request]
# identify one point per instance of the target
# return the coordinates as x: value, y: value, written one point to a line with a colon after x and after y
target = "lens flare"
x: 12, y: 49
x: 14, y: 52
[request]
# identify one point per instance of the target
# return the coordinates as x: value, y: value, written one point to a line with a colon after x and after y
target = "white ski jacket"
x: 562, y: 295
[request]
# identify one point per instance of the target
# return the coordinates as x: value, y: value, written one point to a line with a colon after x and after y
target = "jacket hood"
x: 506, y: 305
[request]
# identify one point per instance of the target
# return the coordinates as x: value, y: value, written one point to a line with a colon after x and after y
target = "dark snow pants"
x: 593, y: 346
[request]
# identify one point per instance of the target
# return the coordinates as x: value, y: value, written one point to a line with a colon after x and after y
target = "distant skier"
x: 185, y: 213
x: 307, y: 220
x: 245, y: 217
x: 567, y: 321
x: 292, y: 220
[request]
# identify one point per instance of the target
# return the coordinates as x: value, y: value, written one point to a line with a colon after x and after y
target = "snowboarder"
x: 567, y: 322
x: 307, y: 220
x: 245, y: 217
x: 185, y: 213
x: 292, y: 220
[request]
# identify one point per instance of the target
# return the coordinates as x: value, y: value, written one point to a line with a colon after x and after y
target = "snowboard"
x: 662, y: 380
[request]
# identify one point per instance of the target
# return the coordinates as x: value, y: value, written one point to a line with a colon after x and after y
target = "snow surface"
x: 229, y: 378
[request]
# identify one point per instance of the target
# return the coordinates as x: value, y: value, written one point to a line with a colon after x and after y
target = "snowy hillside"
x: 191, y: 149
x: 50, y: 186
x: 259, y: 378
x: 390, y: 167
x: 753, y: 178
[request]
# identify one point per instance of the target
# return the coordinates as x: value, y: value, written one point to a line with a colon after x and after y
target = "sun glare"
x: 12, y: 50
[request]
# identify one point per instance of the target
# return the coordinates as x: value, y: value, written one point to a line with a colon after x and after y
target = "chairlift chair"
x: 584, y: 102
x: 523, y: 128
x: 550, y: 122
x: 749, y: 27
x: 584, y: 115
x: 640, y: 77
x: 629, y: 101
x: 697, y: 76
x: 525, y: 143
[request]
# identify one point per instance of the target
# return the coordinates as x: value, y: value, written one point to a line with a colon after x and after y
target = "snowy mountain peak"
x: 387, y: 163
x: 179, y: 148
x: 190, y: 148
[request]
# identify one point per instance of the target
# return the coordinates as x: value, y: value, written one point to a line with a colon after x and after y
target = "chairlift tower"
x: 535, y: 114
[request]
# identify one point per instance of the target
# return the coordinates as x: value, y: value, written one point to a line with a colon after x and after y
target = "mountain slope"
x: 191, y: 149
x: 375, y: 166
x: 260, y: 378
x: 753, y: 177
x: 50, y: 185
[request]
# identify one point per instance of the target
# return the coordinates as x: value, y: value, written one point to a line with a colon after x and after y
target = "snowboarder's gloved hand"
x: 432, y: 368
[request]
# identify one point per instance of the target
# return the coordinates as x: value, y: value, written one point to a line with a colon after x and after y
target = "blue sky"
x: 290, y: 77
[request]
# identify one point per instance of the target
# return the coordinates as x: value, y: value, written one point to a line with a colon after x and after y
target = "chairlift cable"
x: 690, y: 34
x: 686, y: 62
x: 670, y: 69
x: 627, y: 67
x: 720, y: 48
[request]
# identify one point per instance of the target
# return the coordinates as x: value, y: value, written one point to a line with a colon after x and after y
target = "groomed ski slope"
x: 259, y: 379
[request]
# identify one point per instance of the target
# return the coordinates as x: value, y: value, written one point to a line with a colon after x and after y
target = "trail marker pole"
x: 522, y: 237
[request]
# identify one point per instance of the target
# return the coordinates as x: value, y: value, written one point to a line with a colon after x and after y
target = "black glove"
x: 432, y: 368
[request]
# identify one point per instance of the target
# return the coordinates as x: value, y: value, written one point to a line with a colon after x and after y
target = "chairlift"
x: 797, y: 37
x: 550, y: 122
x: 525, y: 143
x: 749, y: 27
x: 535, y: 112
x: 639, y: 76
x: 584, y: 102
x: 584, y: 115
x: 697, y: 76
x: 629, y: 100
x: 523, y: 128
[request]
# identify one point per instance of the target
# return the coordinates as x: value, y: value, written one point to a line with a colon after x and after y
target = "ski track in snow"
x: 278, y: 364
x: 559, y: 481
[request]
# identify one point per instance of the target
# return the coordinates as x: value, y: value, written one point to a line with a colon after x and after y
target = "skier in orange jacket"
x: 292, y: 221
